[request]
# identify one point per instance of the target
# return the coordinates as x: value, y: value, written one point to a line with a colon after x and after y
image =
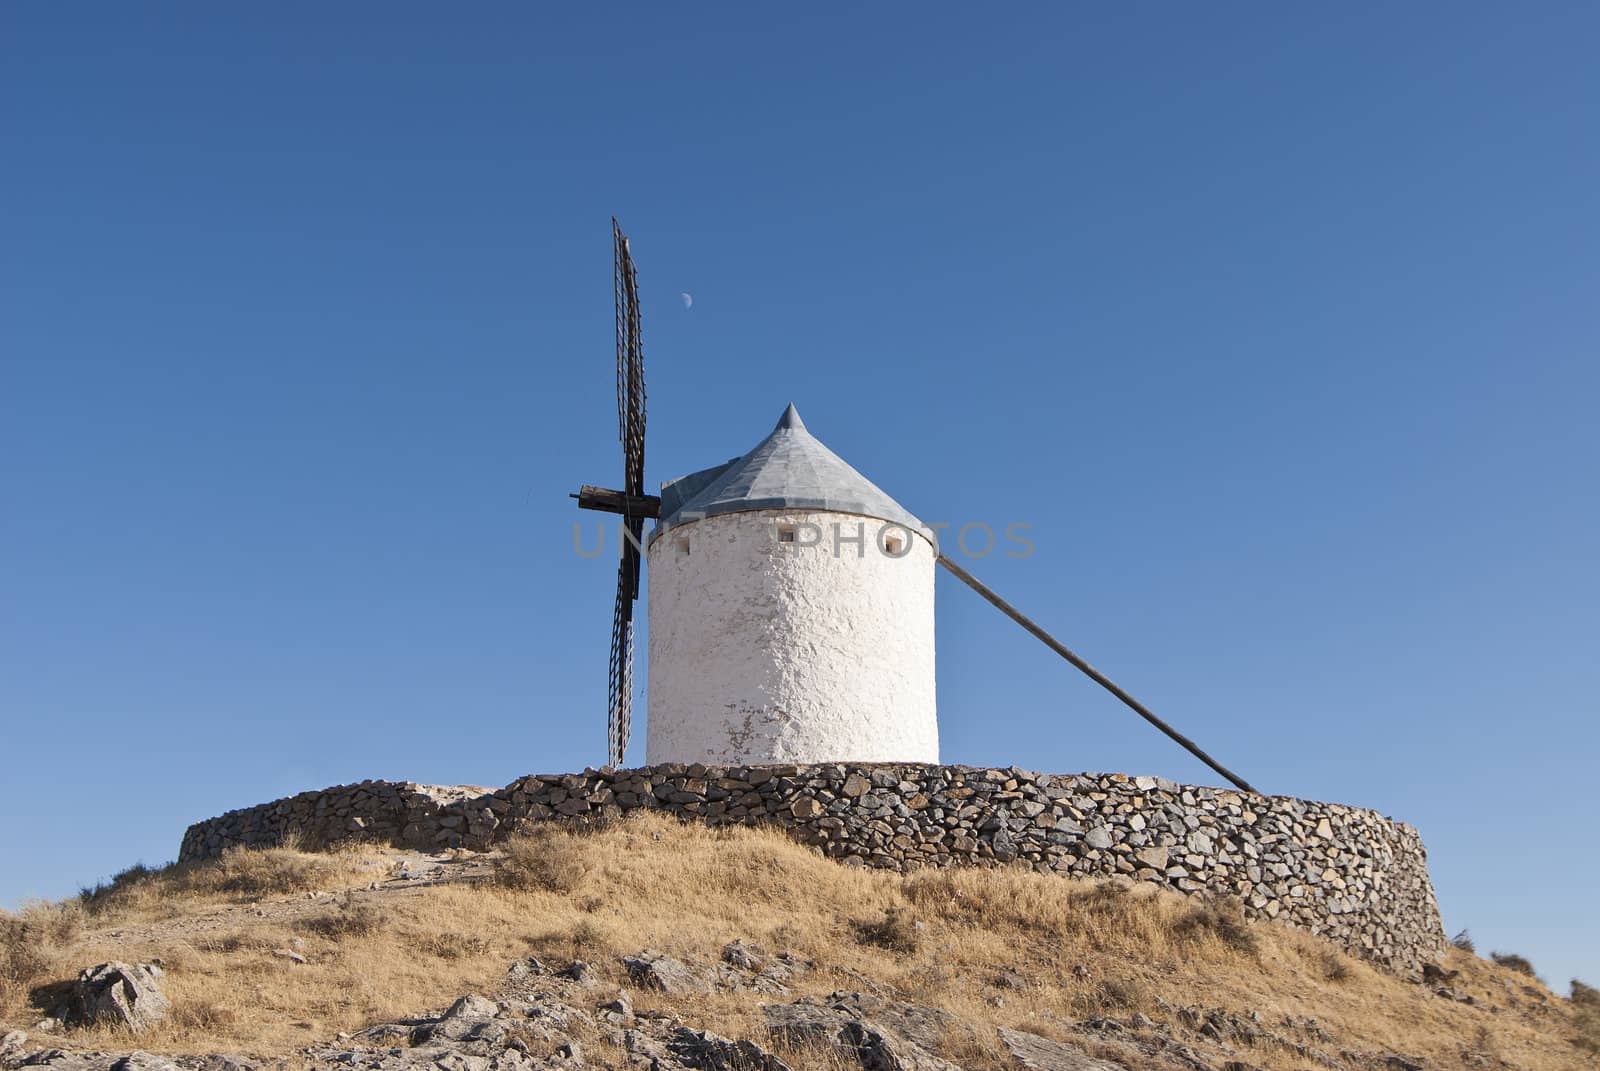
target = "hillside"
x: 287, y: 959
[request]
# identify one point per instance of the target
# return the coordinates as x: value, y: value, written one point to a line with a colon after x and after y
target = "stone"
x: 473, y: 1006
x: 738, y: 954
x: 525, y: 968
x: 581, y: 972
x: 618, y: 1012
x: 119, y: 994
x: 891, y: 1035
x: 1006, y: 978
x: 806, y: 807
x: 705, y: 1051
x: 1154, y: 858
x: 653, y: 970
x: 143, y: 1061
x: 1098, y: 837
x: 1035, y: 1053
x: 855, y: 785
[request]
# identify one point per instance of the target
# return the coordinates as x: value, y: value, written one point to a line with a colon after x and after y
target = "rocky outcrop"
x: 543, y: 1019
x: 1343, y: 872
x: 119, y: 995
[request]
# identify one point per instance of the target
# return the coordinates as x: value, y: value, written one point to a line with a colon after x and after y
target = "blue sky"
x: 1277, y: 324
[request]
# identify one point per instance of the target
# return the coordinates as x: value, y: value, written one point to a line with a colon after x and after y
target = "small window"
x: 785, y: 533
x: 683, y: 546
x: 894, y: 544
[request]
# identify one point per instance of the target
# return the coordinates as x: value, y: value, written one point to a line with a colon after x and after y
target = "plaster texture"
x: 815, y: 650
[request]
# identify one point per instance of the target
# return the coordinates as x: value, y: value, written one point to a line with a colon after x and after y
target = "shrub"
x: 896, y: 931
x: 455, y: 946
x: 1335, y: 968
x: 248, y: 873
x: 350, y: 920
x: 1217, y: 921
x: 102, y: 896
x: 1513, y: 962
x: 30, y: 941
x: 258, y: 872
x: 1586, y: 1021
x: 542, y: 860
x: 1122, y: 993
x: 203, y: 1016
x: 1463, y: 941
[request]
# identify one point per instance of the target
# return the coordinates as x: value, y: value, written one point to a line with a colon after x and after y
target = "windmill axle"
x: 608, y: 501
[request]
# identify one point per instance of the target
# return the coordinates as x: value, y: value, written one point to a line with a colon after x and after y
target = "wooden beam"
x: 608, y: 501
x: 1093, y: 674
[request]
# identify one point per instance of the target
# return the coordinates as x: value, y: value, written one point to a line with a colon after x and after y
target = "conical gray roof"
x: 789, y: 469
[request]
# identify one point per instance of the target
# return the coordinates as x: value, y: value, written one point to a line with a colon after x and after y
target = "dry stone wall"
x: 1344, y: 872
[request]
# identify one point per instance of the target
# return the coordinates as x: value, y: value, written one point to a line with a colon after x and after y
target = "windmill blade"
x: 630, y: 363
x: 619, y: 692
x: 630, y: 429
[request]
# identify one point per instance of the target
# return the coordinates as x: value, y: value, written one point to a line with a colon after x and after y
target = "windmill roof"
x: 789, y: 469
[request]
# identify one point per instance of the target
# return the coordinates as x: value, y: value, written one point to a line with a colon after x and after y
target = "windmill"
x: 762, y: 653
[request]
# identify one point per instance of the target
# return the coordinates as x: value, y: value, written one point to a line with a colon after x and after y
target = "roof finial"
x: 791, y: 419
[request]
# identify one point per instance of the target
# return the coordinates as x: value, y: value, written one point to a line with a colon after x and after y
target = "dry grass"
x: 993, y: 947
x: 32, y: 941
x: 241, y: 874
x: 351, y: 919
x: 1586, y: 1017
x: 545, y: 859
x: 896, y: 930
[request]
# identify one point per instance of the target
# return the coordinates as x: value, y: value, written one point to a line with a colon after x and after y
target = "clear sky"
x: 1278, y: 324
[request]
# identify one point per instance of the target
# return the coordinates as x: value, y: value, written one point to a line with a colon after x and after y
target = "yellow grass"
x: 935, y: 937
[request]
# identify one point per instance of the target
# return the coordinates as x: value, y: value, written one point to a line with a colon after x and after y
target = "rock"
x: 143, y: 1061
x: 12, y: 1042
x: 218, y: 1062
x: 581, y: 972
x: 1098, y: 837
x: 1154, y: 858
x: 738, y: 954
x: 473, y: 1006
x: 1035, y: 1053
x: 888, y: 1035
x: 855, y: 785
x: 119, y: 994
x: 806, y: 807
x: 705, y: 1051
x: 525, y: 968
x: 1437, y: 974
x: 288, y: 954
x: 618, y: 1012
x: 654, y: 970
x: 1006, y: 978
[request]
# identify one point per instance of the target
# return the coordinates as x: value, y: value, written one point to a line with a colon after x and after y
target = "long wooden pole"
x: 1093, y: 674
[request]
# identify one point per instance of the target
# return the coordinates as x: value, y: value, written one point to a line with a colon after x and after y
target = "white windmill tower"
x: 791, y: 605
x: 791, y: 614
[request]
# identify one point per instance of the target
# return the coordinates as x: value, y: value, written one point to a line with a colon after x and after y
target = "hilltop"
x: 652, y: 943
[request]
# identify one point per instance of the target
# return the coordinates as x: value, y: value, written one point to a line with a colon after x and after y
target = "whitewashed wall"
x: 765, y: 651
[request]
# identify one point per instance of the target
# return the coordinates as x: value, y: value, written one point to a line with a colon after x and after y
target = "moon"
x: 688, y: 299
